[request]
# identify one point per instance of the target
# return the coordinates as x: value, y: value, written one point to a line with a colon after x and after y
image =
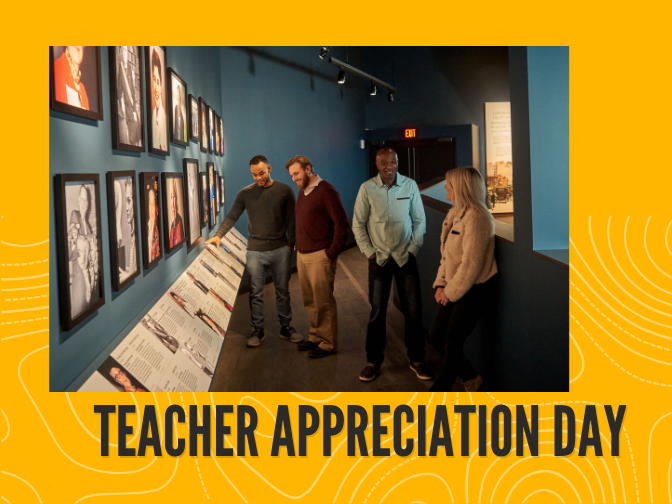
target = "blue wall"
x: 278, y: 102
x: 548, y: 75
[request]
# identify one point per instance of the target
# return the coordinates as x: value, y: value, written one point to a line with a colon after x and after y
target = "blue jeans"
x: 258, y: 263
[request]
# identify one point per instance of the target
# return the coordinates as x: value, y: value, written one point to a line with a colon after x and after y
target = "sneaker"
x: 289, y: 333
x: 421, y: 370
x: 474, y: 384
x: 369, y: 372
x: 308, y: 345
x: 320, y: 352
x: 256, y: 338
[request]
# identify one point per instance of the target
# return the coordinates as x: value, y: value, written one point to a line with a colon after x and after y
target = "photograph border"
x: 173, y: 73
x: 60, y: 179
x: 187, y: 216
x: 146, y: 264
x: 209, y: 165
x: 112, y: 228
x: 69, y: 109
x: 202, y: 103
x: 166, y: 229
x: 116, y: 144
x: 192, y: 137
x: 204, y: 211
x: 148, y: 91
x: 208, y: 110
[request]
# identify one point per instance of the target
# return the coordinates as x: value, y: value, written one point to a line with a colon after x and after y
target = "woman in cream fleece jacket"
x: 464, y: 276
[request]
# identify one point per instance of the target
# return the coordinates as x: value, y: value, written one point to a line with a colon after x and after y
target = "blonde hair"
x: 468, y: 189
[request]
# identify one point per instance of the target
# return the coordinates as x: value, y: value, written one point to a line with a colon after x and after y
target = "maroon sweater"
x: 321, y: 222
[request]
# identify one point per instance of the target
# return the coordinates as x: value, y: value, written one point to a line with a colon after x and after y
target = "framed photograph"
x: 221, y: 136
x: 173, y: 210
x: 203, y: 119
x: 75, y: 84
x: 212, y: 209
x: 193, y: 207
x: 157, y: 100
x: 177, y: 98
x: 217, y: 142
x: 120, y: 377
x: 221, y: 184
x: 122, y: 210
x: 79, y: 246
x: 126, y: 102
x: 217, y: 192
x: 152, y: 250
x: 211, y: 130
x: 203, y: 191
x: 193, y: 118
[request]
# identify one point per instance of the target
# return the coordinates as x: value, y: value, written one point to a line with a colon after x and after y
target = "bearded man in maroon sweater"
x: 321, y: 230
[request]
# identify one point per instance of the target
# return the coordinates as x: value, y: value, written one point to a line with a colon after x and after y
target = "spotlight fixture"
x: 324, y: 51
x: 344, y: 67
x: 374, y: 89
x: 341, y: 77
x: 390, y: 96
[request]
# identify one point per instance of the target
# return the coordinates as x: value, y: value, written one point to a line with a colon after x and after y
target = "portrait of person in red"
x: 176, y: 228
x: 68, y: 87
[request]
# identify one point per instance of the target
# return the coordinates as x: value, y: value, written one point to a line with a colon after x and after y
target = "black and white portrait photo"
x: 203, y: 189
x: 79, y: 246
x: 193, y: 118
x: 120, y: 377
x: 203, y: 115
x: 126, y: 98
x: 211, y: 130
x: 178, y: 109
x: 157, y: 100
x: 122, y: 211
x: 221, y: 136
x: 193, y: 207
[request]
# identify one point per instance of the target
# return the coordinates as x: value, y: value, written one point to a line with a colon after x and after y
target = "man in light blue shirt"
x: 389, y: 225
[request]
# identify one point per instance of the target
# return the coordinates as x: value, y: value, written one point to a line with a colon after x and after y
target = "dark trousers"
x: 453, y: 323
x: 407, y: 279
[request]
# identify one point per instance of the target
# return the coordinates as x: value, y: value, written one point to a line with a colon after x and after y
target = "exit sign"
x: 409, y: 133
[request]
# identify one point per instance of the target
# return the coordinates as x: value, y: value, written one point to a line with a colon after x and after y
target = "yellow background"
x: 619, y: 351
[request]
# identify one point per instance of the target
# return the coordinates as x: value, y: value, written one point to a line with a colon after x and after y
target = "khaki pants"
x: 316, y: 277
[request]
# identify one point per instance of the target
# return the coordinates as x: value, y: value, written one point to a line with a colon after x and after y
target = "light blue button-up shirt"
x: 389, y: 221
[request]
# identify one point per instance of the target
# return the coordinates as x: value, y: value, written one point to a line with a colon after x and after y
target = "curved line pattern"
x: 667, y: 246
x: 26, y: 309
x: 583, y: 361
x: 23, y: 246
x: 14, y: 279
x: 54, y: 437
x: 24, y: 481
x: 646, y: 228
x: 543, y: 490
x: 604, y: 266
x: 24, y: 334
x: 578, y: 498
x: 6, y: 420
x: 319, y: 401
x: 611, y: 307
x: 263, y: 406
x: 616, y: 339
x: 623, y: 272
x: 649, y: 454
x: 25, y: 288
x: 627, y: 251
x: 416, y: 476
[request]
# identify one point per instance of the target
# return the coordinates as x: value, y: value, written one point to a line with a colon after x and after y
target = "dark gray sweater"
x: 270, y: 216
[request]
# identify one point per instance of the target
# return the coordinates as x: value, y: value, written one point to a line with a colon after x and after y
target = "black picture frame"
x: 68, y: 251
x: 221, y: 136
x: 193, y: 118
x: 212, y: 211
x: 121, y: 141
x: 149, y: 181
x: 216, y: 133
x: 173, y: 77
x: 203, y: 123
x: 163, y: 136
x: 219, y: 193
x: 166, y: 179
x: 221, y: 183
x: 59, y: 74
x: 115, y: 263
x: 211, y: 130
x: 188, y: 206
x: 203, y: 193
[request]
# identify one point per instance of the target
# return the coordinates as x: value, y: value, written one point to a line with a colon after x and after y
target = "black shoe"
x: 289, y: 333
x: 421, y: 369
x: 307, y: 345
x: 320, y: 352
x: 256, y: 338
x: 369, y: 372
